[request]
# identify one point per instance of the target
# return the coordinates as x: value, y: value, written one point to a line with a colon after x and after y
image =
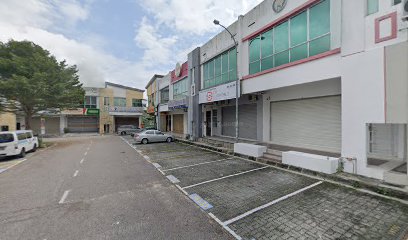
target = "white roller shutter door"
x: 313, y: 123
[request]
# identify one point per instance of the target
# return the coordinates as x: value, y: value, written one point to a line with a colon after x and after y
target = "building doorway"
x: 106, y: 128
x: 208, y: 123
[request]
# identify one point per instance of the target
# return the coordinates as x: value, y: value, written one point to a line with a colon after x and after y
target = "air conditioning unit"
x: 405, y: 10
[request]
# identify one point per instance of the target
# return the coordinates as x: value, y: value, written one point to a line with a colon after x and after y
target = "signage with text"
x: 177, y: 104
x: 91, y: 111
x: 218, y: 93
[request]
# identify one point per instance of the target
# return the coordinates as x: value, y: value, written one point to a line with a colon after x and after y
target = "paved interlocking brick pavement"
x: 181, y: 161
x: 327, y: 212
x: 196, y: 174
x: 239, y: 194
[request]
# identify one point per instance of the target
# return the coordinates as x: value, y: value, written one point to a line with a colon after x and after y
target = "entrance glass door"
x: 208, y: 123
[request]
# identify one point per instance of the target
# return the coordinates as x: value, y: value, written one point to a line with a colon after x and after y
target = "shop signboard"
x: 113, y: 109
x: 91, y: 111
x: 178, y: 104
x: 218, y: 93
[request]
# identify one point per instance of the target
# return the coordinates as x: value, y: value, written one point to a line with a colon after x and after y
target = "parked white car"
x: 17, y: 143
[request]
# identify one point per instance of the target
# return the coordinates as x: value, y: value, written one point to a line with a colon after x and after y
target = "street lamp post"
x: 216, y: 22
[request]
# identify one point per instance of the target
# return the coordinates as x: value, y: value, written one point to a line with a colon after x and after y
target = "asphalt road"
x: 96, y: 188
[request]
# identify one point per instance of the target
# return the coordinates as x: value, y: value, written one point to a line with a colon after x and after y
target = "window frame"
x: 116, y: 100
x: 106, y: 101
x: 180, y: 89
x: 210, y: 77
x: 368, y: 13
x: 291, y: 48
x: 91, y: 104
x: 137, y: 101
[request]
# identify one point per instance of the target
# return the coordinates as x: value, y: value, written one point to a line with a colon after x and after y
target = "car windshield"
x: 6, y: 138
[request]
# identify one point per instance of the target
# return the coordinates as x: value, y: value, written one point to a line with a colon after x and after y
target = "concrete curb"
x: 373, y: 186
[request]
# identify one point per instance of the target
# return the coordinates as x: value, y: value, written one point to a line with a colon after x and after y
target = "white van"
x: 17, y: 143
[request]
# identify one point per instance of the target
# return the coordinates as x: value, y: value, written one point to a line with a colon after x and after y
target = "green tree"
x: 32, y: 80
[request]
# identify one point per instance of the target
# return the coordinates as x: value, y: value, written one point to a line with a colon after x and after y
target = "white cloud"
x: 34, y: 20
x: 157, y: 49
x: 195, y: 17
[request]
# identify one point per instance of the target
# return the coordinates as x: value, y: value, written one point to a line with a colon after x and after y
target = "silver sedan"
x: 149, y: 136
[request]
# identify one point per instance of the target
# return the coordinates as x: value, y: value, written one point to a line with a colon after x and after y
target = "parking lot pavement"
x: 238, y: 194
x: 327, y: 212
x: 207, y: 171
x: 7, y: 163
x: 254, y: 201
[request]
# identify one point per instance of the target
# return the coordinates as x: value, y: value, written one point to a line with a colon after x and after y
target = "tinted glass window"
x: 149, y: 132
x: 21, y: 136
x: 5, y: 138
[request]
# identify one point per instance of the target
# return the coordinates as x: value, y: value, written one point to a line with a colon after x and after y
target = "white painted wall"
x: 164, y: 82
x: 325, y: 68
x: 362, y: 102
x: 118, y: 92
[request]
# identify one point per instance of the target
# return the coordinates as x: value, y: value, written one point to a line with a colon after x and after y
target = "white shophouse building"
x: 328, y: 77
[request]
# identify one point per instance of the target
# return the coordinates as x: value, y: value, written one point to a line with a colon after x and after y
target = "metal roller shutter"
x: 83, y: 124
x: 313, y: 123
x: 228, y: 121
x: 247, y: 121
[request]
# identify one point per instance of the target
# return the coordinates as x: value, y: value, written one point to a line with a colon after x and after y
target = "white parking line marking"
x: 64, y: 196
x: 161, y: 171
x: 146, y: 157
x: 82, y: 160
x: 173, y: 179
x: 156, y: 165
x: 86, y: 153
x: 232, y: 175
x: 236, y: 236
x: 271, y: 203
x: 197, y: 164
x: 178, y: 186
x: 76, y: 173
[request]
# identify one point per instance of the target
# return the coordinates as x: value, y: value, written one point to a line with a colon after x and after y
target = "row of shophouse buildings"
x: 318, y: 76
x: 105, y: 108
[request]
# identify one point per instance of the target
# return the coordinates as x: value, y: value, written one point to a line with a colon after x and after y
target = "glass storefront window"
x: 302, y: 36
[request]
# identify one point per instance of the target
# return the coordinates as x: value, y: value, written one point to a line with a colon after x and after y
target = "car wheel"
x: 123, y: 133
x: 22, y: 153
x: 34, y: 148
x: 169, y: 140
x: 145, y: 141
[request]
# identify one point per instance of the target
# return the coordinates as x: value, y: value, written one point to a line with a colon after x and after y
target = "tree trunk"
x: 28, y: 120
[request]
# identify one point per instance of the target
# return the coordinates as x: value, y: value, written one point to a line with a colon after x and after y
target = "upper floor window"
x: 164, y: 95
x: 136, y: 102
x: 395, y: 2
x: 372, y: 6
x: 221, y: 69
x: 90, y: 102
x: 106, y: 101
x: 302, y: 36
x: 119, y: 102
x: 180, y: 89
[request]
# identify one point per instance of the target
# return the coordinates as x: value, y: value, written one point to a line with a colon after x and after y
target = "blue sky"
x: 122, y: 41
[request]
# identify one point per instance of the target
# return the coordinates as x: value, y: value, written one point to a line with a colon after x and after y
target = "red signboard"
x: 183, y: 72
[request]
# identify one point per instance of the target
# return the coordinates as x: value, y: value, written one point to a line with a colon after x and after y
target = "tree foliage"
x: 32, y: 80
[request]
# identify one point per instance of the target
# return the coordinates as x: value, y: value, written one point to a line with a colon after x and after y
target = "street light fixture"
x: 216, y: 22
